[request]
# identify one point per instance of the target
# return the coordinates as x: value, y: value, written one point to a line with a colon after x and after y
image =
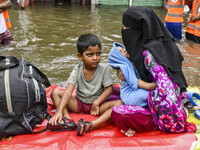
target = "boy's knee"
x: 118, y: 102
x: 56, y: 91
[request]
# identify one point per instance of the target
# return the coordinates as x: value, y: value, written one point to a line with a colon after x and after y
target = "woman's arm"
x: 141, y: 84
x: 147, y: 86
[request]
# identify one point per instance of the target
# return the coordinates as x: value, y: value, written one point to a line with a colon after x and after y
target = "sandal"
x: 82, y: 125
x: 67, y: 120
x: 68, y: 125
x: 187, y: 104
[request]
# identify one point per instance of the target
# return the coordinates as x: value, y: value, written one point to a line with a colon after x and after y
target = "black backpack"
x: 22, y: 96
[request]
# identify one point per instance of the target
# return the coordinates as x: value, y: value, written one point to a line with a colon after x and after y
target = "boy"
x: 94, y: 85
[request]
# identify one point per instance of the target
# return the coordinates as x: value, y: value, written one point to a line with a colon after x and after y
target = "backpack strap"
x: 13, y: 62
x: 46, y: 116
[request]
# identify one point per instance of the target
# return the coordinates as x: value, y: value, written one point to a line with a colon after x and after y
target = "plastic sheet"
x: 106, y: 136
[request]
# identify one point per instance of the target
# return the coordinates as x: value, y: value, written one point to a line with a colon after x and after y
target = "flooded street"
x: 46, y: 34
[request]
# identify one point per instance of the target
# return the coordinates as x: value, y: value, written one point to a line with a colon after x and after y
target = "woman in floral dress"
x: 157, y: 58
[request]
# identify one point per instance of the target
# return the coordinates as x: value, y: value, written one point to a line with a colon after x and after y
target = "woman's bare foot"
x: 130, y: 132
x: 122, y: 131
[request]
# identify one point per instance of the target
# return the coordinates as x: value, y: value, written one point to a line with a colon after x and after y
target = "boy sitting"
x: 94, y: 86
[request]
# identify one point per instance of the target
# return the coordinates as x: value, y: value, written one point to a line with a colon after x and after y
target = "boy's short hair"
x: 86, y: 40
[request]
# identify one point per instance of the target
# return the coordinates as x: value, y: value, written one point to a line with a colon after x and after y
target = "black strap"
x: 13, y: 62
x: 46, y: 116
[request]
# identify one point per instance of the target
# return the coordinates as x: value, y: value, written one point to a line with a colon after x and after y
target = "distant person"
x: 156, y: 56
x: 193, y: 20
x: 5, y: 35
x: 94, y: 86
x: 189, y: 3
x: 83, y: 2
x: 22, y: 3
x: 174, y: 17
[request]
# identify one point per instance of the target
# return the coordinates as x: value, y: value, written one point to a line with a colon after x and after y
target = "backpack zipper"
x: 37, y: 89
x: 22, y: 77
x: 7, y: 88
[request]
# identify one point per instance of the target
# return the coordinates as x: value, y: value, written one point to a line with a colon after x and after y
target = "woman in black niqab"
x: 147, y: 32
x: 156, y: 56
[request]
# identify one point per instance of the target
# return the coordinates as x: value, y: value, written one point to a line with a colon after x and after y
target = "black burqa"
x: 149, y: 33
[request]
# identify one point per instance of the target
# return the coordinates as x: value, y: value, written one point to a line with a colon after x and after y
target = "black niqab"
x: 149, y: 33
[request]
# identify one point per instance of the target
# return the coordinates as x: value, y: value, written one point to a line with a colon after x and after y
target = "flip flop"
x: 187, y: 104
x: 197, y: 113
x: 194, y: 98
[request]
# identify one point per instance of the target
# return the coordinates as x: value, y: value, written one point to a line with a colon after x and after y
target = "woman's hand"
x: 147, y: 86
x: 152, y: 85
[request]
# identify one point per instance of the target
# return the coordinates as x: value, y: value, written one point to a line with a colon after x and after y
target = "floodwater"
x: 45, y: 34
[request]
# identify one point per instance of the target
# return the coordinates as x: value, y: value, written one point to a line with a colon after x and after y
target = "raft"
x: 106, y: 136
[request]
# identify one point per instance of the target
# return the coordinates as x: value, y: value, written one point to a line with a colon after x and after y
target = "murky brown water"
x: 46, y: 34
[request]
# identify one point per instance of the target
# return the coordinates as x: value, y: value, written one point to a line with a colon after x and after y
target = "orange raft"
x: 106, y: 136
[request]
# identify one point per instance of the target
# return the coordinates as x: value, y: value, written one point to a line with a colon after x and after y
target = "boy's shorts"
x: 6, y: 38
x: 83, y: 108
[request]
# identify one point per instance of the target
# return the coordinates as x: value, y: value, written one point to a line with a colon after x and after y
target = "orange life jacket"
x: 197, y: 23
x: 194, y: 27
x: 6, y: 18
x: 175, y: 10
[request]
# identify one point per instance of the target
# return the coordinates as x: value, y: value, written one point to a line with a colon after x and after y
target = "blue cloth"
x: 175, y: 29
x: 130, y: 93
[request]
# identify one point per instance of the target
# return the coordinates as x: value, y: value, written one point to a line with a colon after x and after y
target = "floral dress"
x: 165, y: 102
x: 164, y: 105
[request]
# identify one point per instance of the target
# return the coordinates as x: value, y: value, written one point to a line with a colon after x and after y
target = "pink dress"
x: 165, y: 109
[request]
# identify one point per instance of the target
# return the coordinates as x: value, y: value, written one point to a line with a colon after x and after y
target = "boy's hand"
x: 57, y: 117
x: 94, y: 111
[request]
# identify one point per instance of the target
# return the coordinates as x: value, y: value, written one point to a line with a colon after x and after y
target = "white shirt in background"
x: 3, y: 27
